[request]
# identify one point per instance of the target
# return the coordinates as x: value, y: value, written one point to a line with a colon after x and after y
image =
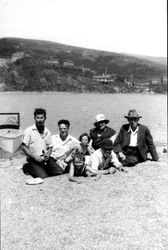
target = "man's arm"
x: 92, y: 172
x: 25, y: 145
x: 116, y: 162
x: 151, y: 146
x: 118, y: 141
x: 30, y: 154
x: 118, y: 144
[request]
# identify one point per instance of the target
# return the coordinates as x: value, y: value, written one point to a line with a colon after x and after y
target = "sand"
x: 120, y: 211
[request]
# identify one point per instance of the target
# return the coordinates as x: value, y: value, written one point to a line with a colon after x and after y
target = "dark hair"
x: 62, y: 121
x: 78, y: 155
x: 82, y: 135
x: 39, y: 111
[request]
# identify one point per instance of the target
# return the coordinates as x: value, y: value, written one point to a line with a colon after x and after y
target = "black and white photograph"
x: 83, y: 125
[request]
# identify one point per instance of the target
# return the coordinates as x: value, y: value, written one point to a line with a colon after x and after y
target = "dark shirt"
x: 80, y: 171
x: 84, y: 151
x: 97, y: 140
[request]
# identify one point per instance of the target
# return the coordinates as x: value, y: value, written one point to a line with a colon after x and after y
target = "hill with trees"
x: 34, y: 65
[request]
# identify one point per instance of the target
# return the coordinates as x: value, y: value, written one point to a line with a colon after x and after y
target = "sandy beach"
x: 120, y: 211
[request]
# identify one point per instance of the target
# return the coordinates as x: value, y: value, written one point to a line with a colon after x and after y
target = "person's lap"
x: 37, y: 169
x: 133, y: 157
x: 53, y: 168
x: 131, y: 160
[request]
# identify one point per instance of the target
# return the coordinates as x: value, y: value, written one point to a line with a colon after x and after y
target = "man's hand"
x: 38, y: 158
x: 120, y: 167
x: 46, y: 156
x: 122, y: 156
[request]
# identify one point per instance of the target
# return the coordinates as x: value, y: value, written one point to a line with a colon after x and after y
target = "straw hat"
x: 100, y: 118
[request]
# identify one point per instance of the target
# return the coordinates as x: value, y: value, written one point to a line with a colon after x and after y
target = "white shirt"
x: 60, y: 147
x: 35, y: 141
x: 133, y: 137
x: 97, y: 159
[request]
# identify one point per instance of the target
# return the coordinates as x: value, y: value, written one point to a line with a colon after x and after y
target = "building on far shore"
x: 52, y: 62
x: 105, y: 78
x: 68, y: 64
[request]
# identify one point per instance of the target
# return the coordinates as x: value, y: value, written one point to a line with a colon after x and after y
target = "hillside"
x: 41, y: 65
x: 158, y: 60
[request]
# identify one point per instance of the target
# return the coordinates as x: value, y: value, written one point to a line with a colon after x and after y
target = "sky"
x: 124, y: 26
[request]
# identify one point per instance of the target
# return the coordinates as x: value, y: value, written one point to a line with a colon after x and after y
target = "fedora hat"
x: 100, y: 118
x: 132, y: 114
x: 107, y: 144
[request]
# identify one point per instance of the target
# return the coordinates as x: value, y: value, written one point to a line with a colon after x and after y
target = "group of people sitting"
x: 98, y: 152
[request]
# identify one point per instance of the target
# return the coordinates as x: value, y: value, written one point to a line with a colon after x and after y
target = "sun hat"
x: 132, y: 114
x: 100, y: 118
x: 107, y: 144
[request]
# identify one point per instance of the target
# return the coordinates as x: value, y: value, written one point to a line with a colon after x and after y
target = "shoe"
x: 34, y: 181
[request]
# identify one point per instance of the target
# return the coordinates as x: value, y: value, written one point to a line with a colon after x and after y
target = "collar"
x: 131, y: 131
x: 44, y: 132
x: 65, y: 139
x: 69, y: 138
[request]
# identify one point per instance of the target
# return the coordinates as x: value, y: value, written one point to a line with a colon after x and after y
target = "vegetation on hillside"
x: 47, y: 66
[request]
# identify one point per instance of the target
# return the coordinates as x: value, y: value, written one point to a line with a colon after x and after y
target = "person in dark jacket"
x: 101, y: 131
x: 134, y: 141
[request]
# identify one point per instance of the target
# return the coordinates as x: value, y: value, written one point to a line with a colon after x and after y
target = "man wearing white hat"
x: 101, y: 131
x: 134, y: 141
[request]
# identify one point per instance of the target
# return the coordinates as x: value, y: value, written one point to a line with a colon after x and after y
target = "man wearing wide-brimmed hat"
x: 134, y: 141
x: 101, y: 131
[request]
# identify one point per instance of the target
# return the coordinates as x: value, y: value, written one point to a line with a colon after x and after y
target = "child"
x: 85, y: 148
x: 78, y: 168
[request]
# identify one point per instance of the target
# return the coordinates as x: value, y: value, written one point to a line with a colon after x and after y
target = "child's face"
x: 78, y: 163
x: 84, y: 140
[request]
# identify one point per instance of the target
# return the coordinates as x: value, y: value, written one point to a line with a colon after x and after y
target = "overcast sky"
x: 130, y: 26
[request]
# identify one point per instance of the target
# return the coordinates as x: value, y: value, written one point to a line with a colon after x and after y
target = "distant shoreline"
x: 68, y: 92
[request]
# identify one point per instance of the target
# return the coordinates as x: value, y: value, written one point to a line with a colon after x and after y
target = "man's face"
x: 133, y: 121
x: 101, y: 125
x: 106, y: 153
x: 63, y: 128
x: 39, y: 120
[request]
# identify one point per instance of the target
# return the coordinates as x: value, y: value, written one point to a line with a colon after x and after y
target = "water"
x: 81, y: 110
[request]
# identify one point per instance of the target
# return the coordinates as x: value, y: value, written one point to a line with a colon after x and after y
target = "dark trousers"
x: 42, y: 170
x: 133, y: 156
x: 53, y: 168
